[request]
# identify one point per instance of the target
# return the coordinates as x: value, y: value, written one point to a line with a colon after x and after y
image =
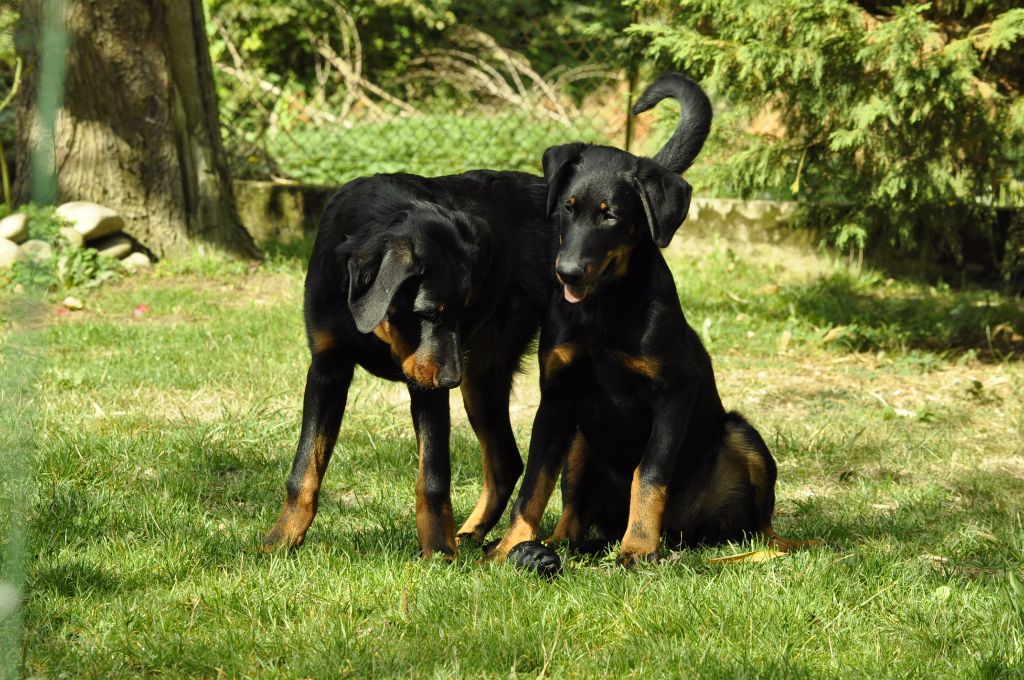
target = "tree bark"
x: 139, y: 129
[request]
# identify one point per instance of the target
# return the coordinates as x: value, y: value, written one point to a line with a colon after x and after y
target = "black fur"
x: 436, y: 282
x: 628, y: 394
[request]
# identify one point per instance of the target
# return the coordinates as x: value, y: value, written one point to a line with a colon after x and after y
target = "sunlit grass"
x: 165, y: 438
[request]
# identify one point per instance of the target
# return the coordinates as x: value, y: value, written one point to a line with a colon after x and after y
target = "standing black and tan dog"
x: 629, y: 404
x: 437, y: 282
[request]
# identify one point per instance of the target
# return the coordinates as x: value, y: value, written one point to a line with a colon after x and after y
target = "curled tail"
x: 694, y: 123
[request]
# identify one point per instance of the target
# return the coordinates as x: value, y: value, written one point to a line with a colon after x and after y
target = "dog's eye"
x: 608, y: 217
x: 567, y: 207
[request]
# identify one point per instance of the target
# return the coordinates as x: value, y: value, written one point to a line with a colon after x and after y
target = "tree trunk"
x: 138, y: 130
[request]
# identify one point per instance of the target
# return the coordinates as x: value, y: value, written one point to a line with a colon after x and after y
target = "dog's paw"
x: 286, y: 534
x: 632, y: 559
x: 488, y: 548
x: 468, y: 538
x: 537, y: 557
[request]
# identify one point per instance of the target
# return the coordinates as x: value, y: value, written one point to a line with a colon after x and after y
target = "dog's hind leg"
x: 323, y: 407
x: 486, y: 401
x: 745, y: 442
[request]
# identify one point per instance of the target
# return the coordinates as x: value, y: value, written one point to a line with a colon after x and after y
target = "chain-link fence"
x: 486, y: 92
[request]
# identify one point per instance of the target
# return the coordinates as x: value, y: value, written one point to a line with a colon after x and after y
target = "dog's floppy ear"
x: 665, y: 197
x: 371, y: 287
x: 559, y: 162
x: 474, y: 247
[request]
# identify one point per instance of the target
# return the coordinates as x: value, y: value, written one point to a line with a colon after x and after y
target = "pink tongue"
x: 570, y: 296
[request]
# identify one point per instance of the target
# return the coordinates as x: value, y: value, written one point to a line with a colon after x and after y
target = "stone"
x: 136, y: 261
x: 73, y: 303
x: 9, y: 253
x: 91, y: 220
x: 14, y: 227
x: 115, y: 246
x: 37, y: 251
x: 72, y: 237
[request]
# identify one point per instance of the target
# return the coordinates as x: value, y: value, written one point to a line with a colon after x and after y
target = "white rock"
x: 14, y: 227
x: 91, y: 220
x: 116, y: 246
x: 37, y: 251
x: 73, y: 303
x: 9, y: 253
x: 136, y: 261
x: 73, y: 238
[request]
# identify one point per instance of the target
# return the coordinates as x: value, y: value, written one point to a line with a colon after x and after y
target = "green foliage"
x: 444, y: 57
x: 275, y: 37
x: 909, y: 116
x: 429, y: 145
x: 43, y: 222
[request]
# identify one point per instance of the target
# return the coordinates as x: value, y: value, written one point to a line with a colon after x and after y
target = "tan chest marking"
x: 646, y: 366
x: 557, y: 358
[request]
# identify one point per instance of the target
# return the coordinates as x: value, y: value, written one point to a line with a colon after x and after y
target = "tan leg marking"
x: 570, y: 525
x: 758, y: 473
x: 294, y: 519
x: 646, y: 508
x: 487, y: 503
x: 430, y: 524
x: 525, y: 525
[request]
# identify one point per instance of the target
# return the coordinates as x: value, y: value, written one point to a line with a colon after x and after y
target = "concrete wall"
x: 287, y: 212
x: 281, y: 213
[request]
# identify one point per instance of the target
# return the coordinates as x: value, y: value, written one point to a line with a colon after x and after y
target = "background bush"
x: 908, y: 117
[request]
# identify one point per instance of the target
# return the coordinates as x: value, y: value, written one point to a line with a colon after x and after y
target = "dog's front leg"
x: 434, y: 521
x: 553, y: 429
x: 323, y: 407
x: 652, y: 476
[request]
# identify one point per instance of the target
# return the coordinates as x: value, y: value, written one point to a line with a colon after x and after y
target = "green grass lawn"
x: 895, y: 410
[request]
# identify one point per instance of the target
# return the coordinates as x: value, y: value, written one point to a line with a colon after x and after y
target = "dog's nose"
x: 570, y: 273
x: 449, y: 381
x: 450, y: 374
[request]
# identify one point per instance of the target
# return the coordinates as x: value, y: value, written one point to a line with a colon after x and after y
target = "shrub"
x: 908, y: 117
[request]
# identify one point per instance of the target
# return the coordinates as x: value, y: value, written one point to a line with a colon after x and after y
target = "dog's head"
x: 409, y: 284
x: 609, y: 202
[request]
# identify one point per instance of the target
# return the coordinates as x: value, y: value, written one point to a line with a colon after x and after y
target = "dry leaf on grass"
x: 833, y: 334
x: 749, y: 557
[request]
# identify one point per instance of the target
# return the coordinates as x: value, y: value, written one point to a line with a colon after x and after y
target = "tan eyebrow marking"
x: 572, y: 200
x: 602, y: 205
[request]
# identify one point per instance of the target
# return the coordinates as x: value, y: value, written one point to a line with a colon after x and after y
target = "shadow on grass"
x: 73, y: 578
x: 295, y: 252
x: 885, y: 314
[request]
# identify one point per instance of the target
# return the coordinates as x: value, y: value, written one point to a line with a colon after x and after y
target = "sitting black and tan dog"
x: 629, y: 405
x: 436, y: 282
